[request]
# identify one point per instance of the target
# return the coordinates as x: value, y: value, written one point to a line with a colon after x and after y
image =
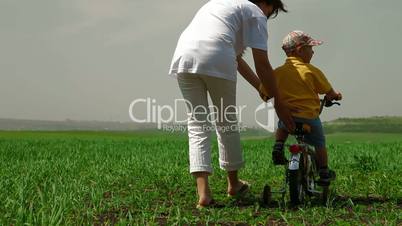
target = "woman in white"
x: 207, y: 58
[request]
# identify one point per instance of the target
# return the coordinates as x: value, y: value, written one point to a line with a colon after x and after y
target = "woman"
x: 207, y: 58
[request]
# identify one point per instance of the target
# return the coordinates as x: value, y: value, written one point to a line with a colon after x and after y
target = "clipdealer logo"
x: 155, y: 113
x: 270, y: 114
x: 167, y: 117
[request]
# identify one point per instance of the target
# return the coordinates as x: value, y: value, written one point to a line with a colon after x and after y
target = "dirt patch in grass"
x: 222, y: 224
x: 161, y: 220
x: 276, y: 222
x: 110, y: 217
x: 363, y: 200
x: 107, y: 195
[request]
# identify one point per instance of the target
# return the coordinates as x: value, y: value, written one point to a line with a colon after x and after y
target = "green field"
x: 141, y: 178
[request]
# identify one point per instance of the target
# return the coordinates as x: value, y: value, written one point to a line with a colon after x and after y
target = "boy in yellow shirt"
x: 299, y: 84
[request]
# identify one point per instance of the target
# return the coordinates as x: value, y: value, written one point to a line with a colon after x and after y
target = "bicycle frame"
x: 305, y: 154
x: 308, y: 163
x: 302, y: 152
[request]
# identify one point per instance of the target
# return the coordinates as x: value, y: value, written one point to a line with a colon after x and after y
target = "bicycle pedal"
x: 323, y: 183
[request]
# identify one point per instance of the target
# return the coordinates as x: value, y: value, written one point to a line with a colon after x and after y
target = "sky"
x: 89, y: 59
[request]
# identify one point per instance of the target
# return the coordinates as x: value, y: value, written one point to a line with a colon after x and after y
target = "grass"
x: 104, y: 178
x: 382, y: 124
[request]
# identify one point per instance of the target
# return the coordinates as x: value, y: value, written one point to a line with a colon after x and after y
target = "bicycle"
x: 301, y: 173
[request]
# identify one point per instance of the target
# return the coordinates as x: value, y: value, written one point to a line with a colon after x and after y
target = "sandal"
x: 244, y: 189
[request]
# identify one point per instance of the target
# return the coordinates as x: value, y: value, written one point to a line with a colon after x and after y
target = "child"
x: 299, y: 84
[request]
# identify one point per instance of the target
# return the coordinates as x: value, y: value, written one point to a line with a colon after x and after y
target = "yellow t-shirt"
x: 299, y: 84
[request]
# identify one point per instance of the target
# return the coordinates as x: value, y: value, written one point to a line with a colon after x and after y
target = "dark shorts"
x: 316, y: 137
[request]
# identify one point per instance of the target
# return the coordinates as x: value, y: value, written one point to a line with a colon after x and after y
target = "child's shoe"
x: 278, y: 155
x: 326, y: 176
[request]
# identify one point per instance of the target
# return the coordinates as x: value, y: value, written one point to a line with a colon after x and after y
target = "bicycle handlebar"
x: 327, y: 103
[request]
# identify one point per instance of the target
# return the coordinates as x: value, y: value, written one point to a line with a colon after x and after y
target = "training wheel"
x: 267, y: 195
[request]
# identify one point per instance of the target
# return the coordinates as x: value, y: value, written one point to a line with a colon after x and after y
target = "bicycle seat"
x: 302, y: 129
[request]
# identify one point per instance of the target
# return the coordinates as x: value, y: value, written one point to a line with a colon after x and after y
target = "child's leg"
x: 322, y: 157
x: 281, y: 135
x: 317, y: 139
x: 278, y: 155
x: 326, y: 175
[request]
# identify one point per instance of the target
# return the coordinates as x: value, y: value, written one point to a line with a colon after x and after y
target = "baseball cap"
x: 297, y: 39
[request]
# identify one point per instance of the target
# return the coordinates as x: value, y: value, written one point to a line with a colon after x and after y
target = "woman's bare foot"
x: 204, y: 192
x: 204, y: 202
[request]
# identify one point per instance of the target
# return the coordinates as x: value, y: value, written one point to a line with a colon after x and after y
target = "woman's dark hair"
x: 277, y: 6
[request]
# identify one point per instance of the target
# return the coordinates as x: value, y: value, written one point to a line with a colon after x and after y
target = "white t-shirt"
x: 220, y: 31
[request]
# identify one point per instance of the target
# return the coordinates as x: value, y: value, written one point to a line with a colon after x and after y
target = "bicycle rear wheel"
x: 297, y: 184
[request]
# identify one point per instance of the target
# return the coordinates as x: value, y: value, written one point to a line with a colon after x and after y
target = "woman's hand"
x: 264, y: 94
x: 264, y: 98
x: 283, y: 112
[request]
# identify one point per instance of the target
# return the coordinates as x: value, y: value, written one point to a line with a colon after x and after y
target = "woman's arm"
x: 266, y: 76
x: 247, y: 73
x: 264, y: 71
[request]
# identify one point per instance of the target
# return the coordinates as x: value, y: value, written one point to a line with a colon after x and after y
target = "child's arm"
x: 323, y: 86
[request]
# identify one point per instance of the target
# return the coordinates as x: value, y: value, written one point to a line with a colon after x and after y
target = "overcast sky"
x: 88, y: 59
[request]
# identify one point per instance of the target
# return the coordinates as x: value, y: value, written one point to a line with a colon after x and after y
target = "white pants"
x: 194, y: 88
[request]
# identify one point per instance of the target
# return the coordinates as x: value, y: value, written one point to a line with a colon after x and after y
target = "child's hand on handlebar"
x: 338, y: 96
x: 332, y: 95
